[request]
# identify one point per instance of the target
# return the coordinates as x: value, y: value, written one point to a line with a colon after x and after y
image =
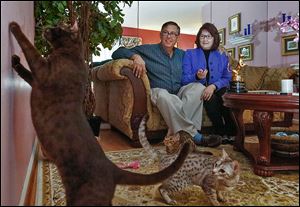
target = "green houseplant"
x: 99, y: 23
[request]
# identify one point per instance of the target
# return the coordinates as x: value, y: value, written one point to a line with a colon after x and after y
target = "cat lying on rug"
x: 213, y: 174
x: 58, y: 88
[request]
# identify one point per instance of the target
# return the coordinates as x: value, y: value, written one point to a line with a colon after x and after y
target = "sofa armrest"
x: 140, y: 100
x: 107, y: 79
x: 111, y: 70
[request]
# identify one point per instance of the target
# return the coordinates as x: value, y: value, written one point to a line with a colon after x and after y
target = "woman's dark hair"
x: 170, y: 23
x: 213, y: 31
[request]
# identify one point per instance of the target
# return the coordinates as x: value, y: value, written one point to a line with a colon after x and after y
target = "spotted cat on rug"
x: 58, y: 88
x: 214, y: 174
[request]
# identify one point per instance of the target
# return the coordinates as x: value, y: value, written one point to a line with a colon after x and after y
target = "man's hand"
x: 201, y: 73
x: 139, y: 66
x: 208, y: 92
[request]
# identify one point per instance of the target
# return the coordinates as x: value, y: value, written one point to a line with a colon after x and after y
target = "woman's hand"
x: 208, y: 92
x: 201, y: 73
x: 139, y: 66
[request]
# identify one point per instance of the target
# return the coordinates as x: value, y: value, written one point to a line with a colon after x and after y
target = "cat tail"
x: 154, y: 154
x: 130, y: 178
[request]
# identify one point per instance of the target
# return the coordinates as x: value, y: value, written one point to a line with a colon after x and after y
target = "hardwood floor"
x: 112, y: 140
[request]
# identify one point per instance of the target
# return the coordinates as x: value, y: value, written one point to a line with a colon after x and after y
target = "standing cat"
x: 213, y: 174
x: 58, y: 88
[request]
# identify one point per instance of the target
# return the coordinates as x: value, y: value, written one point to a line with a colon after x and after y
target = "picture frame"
x: 231, y: 52
x: 289, y: 46
x: 234, y: 23
x: 247, y: 51
x: 222, y: 36
x: 130, y: 42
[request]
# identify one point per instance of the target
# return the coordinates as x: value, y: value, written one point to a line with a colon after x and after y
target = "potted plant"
x: 99, y: 23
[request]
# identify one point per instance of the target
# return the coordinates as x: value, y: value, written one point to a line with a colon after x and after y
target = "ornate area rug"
x: 281, y: 189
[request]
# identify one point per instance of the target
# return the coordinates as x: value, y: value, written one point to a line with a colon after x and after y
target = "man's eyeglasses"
x: 209, y: 37
x: 171, y: 34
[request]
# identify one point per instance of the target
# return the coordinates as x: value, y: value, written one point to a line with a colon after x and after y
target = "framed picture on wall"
x: 247, y: 51
x: 222, y: 36
x: 130, y: 42
x: 231, y: 52
x: 234, y: 23
x: 289, y: 46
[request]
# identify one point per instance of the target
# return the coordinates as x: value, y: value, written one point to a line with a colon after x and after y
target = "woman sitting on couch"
x: 208, y: 66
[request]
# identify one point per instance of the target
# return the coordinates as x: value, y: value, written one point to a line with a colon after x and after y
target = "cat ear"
x: 74, y: 28
x: 224, y: 154
x: 236, y: 165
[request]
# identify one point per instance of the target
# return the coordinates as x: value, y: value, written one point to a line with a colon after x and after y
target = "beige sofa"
x: 122, y: 99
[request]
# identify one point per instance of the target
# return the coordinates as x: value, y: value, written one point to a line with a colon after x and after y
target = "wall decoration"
x: 231, y: 52
x: 222, y: 36
x: 289, y: 46
x: 130, y: 42
x: 247, y: 51
x: 234, y: 23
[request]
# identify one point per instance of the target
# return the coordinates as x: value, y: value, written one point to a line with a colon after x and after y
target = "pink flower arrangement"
x: 292, y: 23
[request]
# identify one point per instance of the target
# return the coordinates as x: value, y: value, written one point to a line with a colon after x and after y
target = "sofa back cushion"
x: 253, y: 76
x: 273, y: 77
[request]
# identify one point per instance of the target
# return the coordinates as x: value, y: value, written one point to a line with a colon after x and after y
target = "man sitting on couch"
x: 181, y: 107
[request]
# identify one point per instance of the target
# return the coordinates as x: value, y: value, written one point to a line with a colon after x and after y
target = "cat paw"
x: 15, y: 60
x: 13, y: 26
x: 172, y: 202
x: 222, y: 199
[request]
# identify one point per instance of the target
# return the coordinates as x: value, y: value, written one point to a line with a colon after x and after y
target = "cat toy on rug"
x: 134, y: 165
x: 58, y: 89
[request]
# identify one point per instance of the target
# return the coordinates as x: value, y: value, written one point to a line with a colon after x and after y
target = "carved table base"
x: 263, y: 105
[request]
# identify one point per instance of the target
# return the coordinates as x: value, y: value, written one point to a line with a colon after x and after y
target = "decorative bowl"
x: 285, y: 144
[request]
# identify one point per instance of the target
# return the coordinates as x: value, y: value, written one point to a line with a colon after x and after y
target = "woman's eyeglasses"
x: 209, y: 37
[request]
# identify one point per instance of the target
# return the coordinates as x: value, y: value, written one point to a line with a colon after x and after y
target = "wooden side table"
x: 263, y: 105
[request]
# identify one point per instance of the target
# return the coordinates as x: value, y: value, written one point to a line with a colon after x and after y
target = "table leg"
x: 262, y: 123
x: 240, y: 136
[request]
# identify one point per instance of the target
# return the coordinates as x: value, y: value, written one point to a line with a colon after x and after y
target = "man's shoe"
x: 210, y: 141
x: 228, y: 139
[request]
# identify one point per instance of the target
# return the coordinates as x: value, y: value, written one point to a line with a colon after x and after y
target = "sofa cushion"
x: 273, y: 77
x: 253, y: 76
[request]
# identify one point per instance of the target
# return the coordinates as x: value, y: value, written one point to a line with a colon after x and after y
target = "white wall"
x: 17, y: 133
x: 275, y: 9
x: 263, y: 15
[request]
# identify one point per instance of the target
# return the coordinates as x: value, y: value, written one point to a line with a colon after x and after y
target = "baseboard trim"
x: 39, y: 187
x: 28, y: 177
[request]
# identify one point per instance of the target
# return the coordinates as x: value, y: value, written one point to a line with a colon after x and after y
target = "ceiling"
x: 152, y: 14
